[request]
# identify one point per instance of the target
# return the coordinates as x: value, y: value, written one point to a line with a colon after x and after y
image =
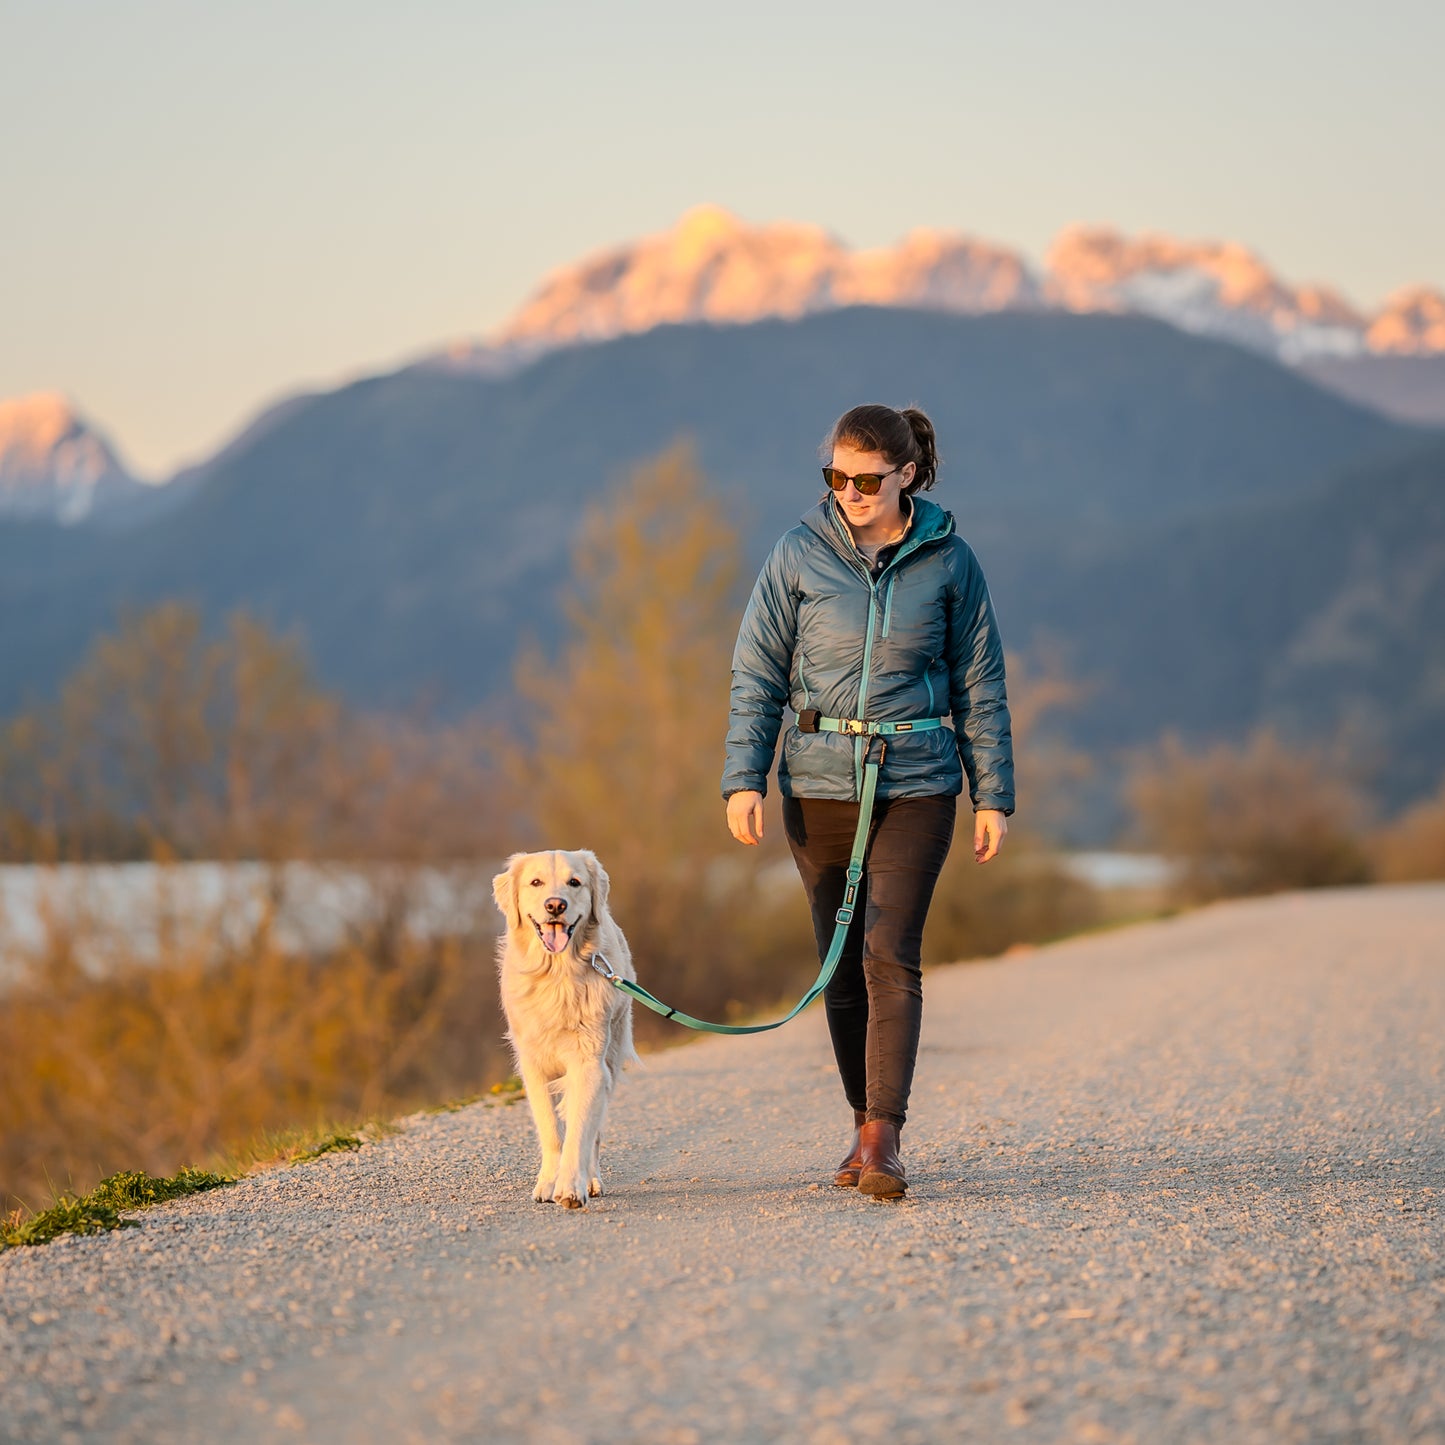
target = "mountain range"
x: 714, y: 267
x: 1208, y: 538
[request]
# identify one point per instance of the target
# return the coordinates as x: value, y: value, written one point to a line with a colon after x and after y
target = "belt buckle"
x: 854, y: 727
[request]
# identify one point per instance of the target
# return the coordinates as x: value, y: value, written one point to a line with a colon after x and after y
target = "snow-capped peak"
x: 1410, y: 323
x: 53, y: 464
x: 1219, y: 288
x: 713, y: 266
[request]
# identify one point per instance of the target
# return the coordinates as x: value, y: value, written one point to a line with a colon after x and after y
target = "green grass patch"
x: 137, y: 1190
x: 102, y: 1208
x: 100, y: 1211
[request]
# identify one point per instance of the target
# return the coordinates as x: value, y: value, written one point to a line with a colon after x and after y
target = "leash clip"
x: 603, y: 967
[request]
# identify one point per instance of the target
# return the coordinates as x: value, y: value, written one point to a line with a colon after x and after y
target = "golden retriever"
x: 570, y: 1029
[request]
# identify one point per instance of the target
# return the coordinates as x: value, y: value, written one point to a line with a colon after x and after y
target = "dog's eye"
x: 536, y: 883
x: 574, y: 882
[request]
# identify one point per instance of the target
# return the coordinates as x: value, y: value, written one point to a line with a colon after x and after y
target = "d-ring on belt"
x: 809, y: 721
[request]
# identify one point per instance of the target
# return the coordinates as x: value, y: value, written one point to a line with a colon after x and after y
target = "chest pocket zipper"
x: 888, y: 605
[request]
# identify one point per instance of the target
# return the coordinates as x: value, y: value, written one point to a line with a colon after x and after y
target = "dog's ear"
x: 504, y: 890
x: 601, y: 884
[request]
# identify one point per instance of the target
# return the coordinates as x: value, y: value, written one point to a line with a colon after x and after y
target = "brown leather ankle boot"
x: 881, y: 1171
x: 847, y: 1175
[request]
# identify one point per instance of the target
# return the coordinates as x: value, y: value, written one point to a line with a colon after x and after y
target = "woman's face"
x: 883, y: 505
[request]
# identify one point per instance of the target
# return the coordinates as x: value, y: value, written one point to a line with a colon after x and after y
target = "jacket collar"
x: 930, y: 524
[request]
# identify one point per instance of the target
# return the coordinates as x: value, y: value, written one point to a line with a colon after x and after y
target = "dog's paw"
x: 571, y: 1193
x: 545, y: 1187
x: 594, y: 1187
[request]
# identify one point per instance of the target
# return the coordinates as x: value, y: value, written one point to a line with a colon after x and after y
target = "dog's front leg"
x: 539, y: 1096
x: 594, y: 1168
x: 582, y: 1103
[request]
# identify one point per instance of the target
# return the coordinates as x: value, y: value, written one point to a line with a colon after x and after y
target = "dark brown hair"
x: 900, y: 436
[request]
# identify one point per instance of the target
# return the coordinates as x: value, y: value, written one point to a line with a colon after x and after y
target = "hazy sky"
x: 204, y: 205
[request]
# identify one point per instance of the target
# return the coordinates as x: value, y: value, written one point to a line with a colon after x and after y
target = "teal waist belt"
x: 810, y: 720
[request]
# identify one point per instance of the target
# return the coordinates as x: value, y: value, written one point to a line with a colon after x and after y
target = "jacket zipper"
x: 860, y: 743
x: 867, y: 574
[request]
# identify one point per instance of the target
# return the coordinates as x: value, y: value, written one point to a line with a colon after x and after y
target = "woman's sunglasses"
x: 866, y: 482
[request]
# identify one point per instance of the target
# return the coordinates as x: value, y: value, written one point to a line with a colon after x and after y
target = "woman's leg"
x: 911, y: 839
x: 820, y: 833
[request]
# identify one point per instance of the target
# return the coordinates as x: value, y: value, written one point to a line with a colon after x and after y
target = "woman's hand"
x: 989, y: 827
x: 745, y: 817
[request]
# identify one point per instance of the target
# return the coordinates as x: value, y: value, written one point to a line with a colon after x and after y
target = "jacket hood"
x: 930, y: 522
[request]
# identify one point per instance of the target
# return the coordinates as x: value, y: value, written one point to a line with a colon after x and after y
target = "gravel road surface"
x: 1182, y: 1182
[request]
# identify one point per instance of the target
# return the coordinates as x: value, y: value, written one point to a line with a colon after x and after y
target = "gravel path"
x: 1180, y: 1182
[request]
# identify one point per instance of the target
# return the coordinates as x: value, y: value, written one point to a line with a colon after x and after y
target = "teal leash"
x: 808, y: 722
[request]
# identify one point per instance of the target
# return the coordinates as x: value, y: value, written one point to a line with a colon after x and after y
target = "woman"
x: 872, y: 610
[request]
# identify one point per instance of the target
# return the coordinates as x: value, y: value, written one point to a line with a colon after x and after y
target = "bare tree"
x: 622, y: 749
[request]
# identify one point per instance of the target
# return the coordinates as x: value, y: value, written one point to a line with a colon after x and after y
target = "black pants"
x: 875, y: 1001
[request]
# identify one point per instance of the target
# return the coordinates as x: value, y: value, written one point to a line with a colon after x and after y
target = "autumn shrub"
x: 1412, y: 848
x: 1255, y: 817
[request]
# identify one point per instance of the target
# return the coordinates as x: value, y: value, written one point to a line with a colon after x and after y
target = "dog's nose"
x: 556, y: 906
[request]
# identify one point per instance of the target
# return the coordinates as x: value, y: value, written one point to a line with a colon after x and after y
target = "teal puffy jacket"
x: 919, y: 640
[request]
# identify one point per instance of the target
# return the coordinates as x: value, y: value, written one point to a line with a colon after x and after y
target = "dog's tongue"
x: 554, y: 937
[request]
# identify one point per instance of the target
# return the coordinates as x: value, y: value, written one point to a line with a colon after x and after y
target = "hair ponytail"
x: 901, y: 436
x: 927, y: 444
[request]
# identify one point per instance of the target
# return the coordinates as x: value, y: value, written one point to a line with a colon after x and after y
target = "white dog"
x: 570, y: 1029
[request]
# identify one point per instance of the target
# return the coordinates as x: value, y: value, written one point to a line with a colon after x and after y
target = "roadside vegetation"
x: 104, y: 1207
x: 210, y: 1032
x: 1267, y: 814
